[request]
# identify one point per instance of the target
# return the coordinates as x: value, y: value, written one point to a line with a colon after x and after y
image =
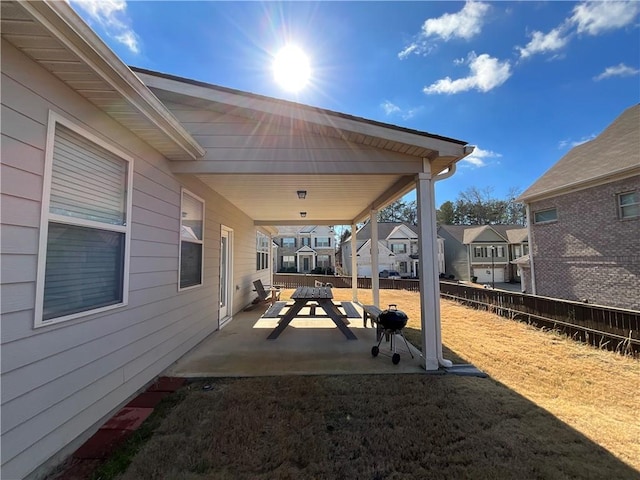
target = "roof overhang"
x: 264, y: 187
x: 55, y: 37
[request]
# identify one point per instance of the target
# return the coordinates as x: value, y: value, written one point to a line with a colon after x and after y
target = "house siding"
x: 60, y: 382
x: 588, y: 253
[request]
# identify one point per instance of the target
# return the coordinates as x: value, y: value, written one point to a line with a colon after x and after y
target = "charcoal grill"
x: 391, y: 322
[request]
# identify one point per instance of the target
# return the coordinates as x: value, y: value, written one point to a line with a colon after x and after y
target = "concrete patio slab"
x: 308, y: 346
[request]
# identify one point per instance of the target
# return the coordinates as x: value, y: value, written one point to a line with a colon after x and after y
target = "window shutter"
x: 88, y: 181
x: 315, y: 242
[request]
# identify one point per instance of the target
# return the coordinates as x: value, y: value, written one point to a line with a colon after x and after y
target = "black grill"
x: 390, y: 323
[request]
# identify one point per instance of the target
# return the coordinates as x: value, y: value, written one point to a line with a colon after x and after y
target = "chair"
x: 263, y: 296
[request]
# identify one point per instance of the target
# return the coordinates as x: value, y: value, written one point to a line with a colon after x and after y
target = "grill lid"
x: 392, y: 318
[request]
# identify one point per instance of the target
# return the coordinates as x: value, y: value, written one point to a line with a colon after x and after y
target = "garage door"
x: 364, y: 271
x: 484, y: 275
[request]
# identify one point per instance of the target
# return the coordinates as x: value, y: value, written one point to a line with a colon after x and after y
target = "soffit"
x: 54, y: 36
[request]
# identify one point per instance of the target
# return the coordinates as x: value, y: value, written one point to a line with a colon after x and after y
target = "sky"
x: 524, y: 82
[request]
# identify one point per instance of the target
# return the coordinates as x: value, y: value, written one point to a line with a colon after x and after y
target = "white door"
x: 226, y: 277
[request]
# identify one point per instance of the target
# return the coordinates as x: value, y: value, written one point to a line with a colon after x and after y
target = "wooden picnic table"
x: 321, y: 296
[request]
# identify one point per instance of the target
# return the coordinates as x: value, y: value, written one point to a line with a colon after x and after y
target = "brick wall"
x: 588, y: 253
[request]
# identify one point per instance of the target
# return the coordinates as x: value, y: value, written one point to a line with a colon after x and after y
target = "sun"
x: 291, y: 68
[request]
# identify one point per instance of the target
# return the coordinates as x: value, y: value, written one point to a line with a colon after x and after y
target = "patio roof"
x: 272, y: 148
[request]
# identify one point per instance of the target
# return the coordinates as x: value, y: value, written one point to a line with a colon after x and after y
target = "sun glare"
x: 291, y: 68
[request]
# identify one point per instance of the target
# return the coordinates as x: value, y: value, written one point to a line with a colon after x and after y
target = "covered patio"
x: 308, y: 346
x: 281, y: 163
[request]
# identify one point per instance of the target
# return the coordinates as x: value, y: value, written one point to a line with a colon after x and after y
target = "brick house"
x: 305, y: 249
x: 584, y: 220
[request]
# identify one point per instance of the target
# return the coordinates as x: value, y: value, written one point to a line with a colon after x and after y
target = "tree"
x: 399, y: 211
x: 445, y: 215
x: 478, y: 207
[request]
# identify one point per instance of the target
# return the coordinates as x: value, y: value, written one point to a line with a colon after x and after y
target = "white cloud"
x: 465, y: 24
x: 541, y: 42
x: 112, y: 16
x: 487, y: 73
x: 479, y: 157
x: 620, y: 70
x: 594, y: 18
x: 574, y: 143
x: 391, y: 109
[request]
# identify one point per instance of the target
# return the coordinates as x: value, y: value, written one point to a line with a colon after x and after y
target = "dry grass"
x: 551, y: 409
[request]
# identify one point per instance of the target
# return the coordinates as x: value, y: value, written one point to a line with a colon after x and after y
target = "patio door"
x: 226, y: 275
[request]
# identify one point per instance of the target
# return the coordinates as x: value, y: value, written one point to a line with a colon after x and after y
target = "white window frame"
x: 286, y: 240
x: 262, y: 252
x: 399, y: 248
x: 621, y: 207
x: 323, y: 242
x: 200, y: 242
x: 542, y: 222
x: 46, y: 217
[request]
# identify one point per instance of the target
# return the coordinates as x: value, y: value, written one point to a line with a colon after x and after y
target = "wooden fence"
x: 604, y: 327
x: 613, y: 328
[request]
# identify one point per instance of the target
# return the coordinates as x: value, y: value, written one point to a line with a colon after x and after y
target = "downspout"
x: 354, y: 264
x: 530, y: 242
x: 441, y: 360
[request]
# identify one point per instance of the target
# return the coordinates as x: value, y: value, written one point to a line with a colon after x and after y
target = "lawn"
x: 551, y: 408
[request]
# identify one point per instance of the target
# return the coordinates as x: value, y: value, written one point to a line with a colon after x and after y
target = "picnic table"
x: 313, y: 296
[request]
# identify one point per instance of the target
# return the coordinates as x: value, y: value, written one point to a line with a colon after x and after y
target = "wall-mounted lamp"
x: 303, y: 214
x: 302, y: 194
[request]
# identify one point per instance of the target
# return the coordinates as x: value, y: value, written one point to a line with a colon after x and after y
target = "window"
x: 85, y: 226
x: 262, y: 251
x: 306, y: 241
x: 399, y: 248
x: 288, y: 261
x: 323, y: 261
x: 402, y: 267
x: 191, y: 240
x: 628, y: 205
x: 288, y: 242
x: 480, y: 252
x: 545, y: 216
x: 323, y: 242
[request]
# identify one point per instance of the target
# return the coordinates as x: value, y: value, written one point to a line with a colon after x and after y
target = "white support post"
x: 429, y: 277
x: 354, y: 263
x: 375, y: 281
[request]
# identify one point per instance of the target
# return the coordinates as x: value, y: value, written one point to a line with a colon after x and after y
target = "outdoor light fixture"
x: 303, y: 214
x: 302, y: 194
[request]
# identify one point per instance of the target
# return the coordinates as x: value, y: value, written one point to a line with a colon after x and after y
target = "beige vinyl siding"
x: 237, y: 144
x: 60, y: 381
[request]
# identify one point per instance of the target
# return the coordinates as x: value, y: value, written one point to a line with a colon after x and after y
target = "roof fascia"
x: 577, y: 186
x: 304, y: 113
x: 59, y: 19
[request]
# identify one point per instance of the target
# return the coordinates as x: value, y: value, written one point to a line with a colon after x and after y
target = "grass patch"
x: 552, y: 408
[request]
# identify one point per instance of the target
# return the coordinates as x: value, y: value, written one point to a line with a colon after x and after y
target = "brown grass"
x: 551, y: 408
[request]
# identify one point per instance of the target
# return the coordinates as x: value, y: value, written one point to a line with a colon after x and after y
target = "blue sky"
x: 522, y: 81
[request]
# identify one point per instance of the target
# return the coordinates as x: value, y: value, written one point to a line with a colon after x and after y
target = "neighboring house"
x: 584, y: 220
x: 137, y: 210
x: 397, y: 250
x: 305, y: 249
x: 483, y: 253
